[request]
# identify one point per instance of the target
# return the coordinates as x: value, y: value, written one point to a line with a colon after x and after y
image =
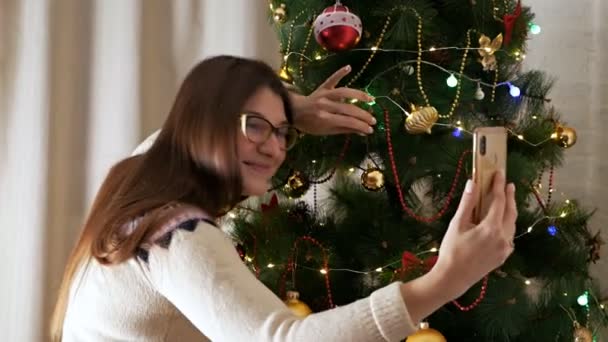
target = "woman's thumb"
x: 467, y: 204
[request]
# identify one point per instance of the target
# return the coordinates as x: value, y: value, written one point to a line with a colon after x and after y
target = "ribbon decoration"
x: 410, y: 261
x: 487, y: 48
x: 273, y: 204
x: 509, y: 21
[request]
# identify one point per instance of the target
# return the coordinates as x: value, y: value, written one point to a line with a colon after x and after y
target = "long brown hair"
x: 193, y: 161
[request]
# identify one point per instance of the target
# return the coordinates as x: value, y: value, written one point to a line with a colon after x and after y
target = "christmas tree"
x: 437, y: 69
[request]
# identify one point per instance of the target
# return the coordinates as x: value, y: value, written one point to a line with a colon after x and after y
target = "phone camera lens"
x: 482, y: 145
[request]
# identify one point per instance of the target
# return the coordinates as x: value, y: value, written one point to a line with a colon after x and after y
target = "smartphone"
x: 489, y: 156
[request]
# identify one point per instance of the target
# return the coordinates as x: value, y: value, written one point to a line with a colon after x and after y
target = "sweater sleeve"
x: 202, y: 275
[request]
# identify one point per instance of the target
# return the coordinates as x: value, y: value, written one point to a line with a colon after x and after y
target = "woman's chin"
x: 256, y: 189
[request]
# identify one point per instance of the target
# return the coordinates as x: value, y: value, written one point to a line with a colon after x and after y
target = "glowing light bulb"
x: 452, y: 81
x: 528, y: 282
x: 514, y: 90
x: 534, y: 28
x: 583, y: 299
x: 323, y: 271
x: 270, y: 265
x: 379, y: 269
x: 552, y: 230
x: 434, y: 249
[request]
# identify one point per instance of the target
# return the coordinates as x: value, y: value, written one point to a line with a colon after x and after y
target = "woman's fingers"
x: 333, y: 80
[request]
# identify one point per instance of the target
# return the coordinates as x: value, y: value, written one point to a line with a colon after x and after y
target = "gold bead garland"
x: 304, y: 50
x: 495, y: 9
x: 461, y: 72
x: 291, y: 29
x: 495, y: 83
x: 419, y: 58
x: 374, y: 51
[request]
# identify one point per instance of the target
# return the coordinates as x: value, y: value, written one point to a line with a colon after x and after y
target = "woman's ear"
x: 146, y: 144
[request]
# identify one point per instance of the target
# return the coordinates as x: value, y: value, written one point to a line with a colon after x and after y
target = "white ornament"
x: 479, y: 94
x: 409, y: 69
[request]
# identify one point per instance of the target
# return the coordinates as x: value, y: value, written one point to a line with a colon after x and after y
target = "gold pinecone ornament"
x: 421, y: 120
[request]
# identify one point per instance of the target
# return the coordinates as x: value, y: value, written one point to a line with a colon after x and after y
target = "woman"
x: 151, y: 264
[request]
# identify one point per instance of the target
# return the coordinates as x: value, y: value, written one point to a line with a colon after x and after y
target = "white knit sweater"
x: 191, y: 285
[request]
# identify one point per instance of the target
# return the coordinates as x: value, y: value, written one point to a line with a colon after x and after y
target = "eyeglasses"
x: 258, y: 130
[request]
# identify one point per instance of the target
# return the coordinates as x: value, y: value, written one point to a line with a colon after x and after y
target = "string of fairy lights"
x: 451, y: 81
x: 552, y: 230
x: 454, y: 79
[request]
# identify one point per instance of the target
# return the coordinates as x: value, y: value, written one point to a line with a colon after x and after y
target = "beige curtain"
x: 82, y: 81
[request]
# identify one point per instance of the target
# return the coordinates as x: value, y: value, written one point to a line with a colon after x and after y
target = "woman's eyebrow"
x: 284, y: 122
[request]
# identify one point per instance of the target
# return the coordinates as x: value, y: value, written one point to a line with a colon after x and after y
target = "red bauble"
x: 337, y: 29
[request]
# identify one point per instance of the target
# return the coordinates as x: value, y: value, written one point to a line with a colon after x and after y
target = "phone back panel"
x: 489, y: 156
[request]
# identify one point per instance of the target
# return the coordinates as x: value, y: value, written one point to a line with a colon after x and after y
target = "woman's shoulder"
x: 176, y: 219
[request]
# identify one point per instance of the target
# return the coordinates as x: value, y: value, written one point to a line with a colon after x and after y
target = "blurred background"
x: 82, y: 82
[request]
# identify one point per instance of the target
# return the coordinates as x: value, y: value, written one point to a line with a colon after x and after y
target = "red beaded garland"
x: 291, y: 267
x: 478, y: 300
x: 450, y: 195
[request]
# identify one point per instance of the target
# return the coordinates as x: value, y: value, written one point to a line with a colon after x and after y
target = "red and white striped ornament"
x: 337, y: 29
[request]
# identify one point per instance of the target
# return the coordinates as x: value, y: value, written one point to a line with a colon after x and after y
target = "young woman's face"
x: 263, y: 138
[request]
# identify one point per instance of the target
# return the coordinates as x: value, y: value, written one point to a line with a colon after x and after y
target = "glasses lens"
x: 257, y: 130
x: 291, y: 138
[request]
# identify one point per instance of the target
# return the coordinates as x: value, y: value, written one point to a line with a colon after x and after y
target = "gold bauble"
x: 426, y: 334
x: 280, y: 14
x: 298, y: 307
x: 285, y: 75
x: 297, y: 185
x: 372, y: 179
x: 582, y: 334
x: 564, y: 135
x: 421, y: 120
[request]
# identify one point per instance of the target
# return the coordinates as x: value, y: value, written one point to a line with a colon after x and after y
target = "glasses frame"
x: 274, y: 130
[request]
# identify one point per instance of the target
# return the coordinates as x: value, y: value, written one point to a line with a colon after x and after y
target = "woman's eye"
x: 256, y: 125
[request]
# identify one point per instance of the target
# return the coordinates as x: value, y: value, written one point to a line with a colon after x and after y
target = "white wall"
x: 573, y: 47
